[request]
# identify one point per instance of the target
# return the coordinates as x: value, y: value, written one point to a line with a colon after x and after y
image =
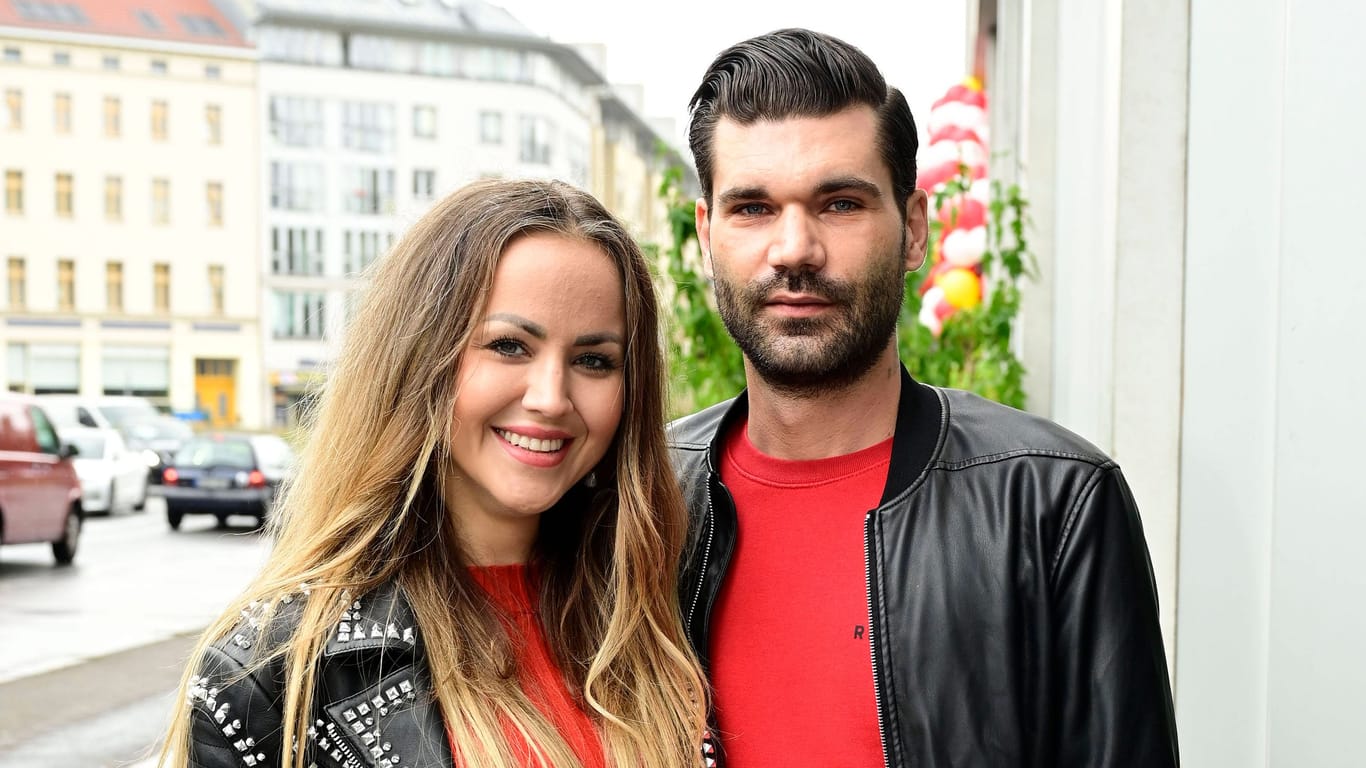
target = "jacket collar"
x: 379, y: 619
x: 921, y: 421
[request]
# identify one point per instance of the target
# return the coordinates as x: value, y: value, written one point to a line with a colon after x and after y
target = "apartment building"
x: 129, y: 230
x: 373, y: 109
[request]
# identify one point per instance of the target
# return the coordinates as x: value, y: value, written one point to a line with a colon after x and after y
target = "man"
x: 885, y: 572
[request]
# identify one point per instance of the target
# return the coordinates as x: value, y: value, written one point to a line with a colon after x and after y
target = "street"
x: 92, y: 653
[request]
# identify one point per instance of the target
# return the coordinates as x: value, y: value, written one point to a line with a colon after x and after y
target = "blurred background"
x: 193, y: 190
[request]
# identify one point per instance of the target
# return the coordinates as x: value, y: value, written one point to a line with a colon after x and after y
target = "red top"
x: 791, y: 669
x: 511, y: 588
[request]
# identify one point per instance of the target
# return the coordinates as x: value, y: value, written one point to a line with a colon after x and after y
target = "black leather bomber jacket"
x: 1012, y: 609
x: 373, y: 707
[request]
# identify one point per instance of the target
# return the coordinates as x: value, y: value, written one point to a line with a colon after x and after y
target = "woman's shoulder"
x: 379, y: 619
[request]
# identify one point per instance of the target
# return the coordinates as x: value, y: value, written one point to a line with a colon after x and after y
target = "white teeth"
x: 531, y: 443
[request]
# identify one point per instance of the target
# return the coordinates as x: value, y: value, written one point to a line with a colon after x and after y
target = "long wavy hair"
x: 366, y: 509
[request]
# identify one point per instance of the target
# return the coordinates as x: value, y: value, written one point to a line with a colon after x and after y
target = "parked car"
x: 40, y: 495
x: 112, y: 476
x: 116, y: 411
x: 157, y: 439
x: 224, y: 474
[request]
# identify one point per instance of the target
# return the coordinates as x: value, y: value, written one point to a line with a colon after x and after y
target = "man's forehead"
x: 806, y: 153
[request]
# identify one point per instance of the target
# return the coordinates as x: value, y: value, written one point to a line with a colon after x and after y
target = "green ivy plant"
x: 974, y: 351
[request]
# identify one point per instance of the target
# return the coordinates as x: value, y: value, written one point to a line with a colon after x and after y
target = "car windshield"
x: 89, y: 445
x: 122, y: 416
x: 215, y: 453
x: 160, y: 429
x: 61, y: 414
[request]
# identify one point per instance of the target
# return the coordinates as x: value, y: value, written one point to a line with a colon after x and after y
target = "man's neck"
x: 801, y: 427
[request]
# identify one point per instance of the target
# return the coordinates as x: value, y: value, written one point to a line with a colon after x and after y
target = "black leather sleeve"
x: 236, y: 714
x: 1110, y: 672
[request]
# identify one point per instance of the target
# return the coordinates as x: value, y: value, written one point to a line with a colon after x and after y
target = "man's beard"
x: 810, y: 356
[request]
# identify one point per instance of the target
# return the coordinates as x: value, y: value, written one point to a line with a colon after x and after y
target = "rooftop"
x: 180, y: 21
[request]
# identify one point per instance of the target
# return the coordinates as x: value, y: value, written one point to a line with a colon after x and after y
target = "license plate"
x: 213, y: 483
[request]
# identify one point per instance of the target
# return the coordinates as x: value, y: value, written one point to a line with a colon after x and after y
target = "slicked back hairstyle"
x: 368, y: 508
x: 800, y: 73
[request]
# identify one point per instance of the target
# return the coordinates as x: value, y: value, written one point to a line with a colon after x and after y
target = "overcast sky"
x: 919, y: 44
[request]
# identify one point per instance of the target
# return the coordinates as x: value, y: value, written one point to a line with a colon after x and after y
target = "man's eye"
x: 844, y: 206
x: 751, y: 209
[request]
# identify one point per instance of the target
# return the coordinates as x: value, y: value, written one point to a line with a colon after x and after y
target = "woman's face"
x: 540, y: 391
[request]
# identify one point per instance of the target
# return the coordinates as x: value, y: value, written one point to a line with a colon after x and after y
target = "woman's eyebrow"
x: 602, y: 337
x: 519, y: 321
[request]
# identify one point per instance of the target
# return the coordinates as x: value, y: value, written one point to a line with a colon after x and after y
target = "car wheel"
x: 222, y: 520
x: 64, y: 549
x: 113, y: 489
x: 141, y: 503
x: 173, y: 517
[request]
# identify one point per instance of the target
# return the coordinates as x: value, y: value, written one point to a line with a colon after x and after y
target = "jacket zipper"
x: 706, y: 556
x: 872, y: 638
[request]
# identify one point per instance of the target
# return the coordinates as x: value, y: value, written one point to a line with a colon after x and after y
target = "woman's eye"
x: 506, y: 347
x: 596, y: 362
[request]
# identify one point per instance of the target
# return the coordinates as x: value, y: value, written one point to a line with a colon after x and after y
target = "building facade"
x: 128, y: 146
x: 373, y: 110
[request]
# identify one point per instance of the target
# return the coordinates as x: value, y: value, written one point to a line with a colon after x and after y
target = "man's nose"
x: 796, y: 245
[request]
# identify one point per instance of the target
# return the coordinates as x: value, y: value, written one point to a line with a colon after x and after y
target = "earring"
x: 590, y: 480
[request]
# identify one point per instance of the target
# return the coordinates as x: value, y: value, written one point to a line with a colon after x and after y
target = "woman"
x: 469, y: 569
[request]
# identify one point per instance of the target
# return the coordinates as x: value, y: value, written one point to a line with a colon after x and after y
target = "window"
x: 299, y: 314
x: 424, y: 121
x: 158, y: 121
x: 61, y: 58
x: 61, y: 113
x: 64, y: 195
x: 14, y: 192
x: 491, y: 127
x: 113, y: 198
x: 113, y: 286
x: 424, y: 184
x: 296, y: 121
x: 148, y: 20
x: 296, y: 251
x: 109, y: 62
x: 213, y: 123
x: 17, y: 290
x: 134, y: 370
x: 214, y: 197
x: 368, y: 190
x: 537, y: 137
x: 161, y: 287
x: 203, y: 26
x: 13, y: 55
x: 368, y: 126
x: 296, y: 186
x: 66, y: 285
x: 216, y: 288
x: 111, y: 116
x: 158, y: 66
x: 47, y: 11
x: 213, y: 72
x: 14, y: 109
x: 161, y: 201
x: 43, y: 369
x: 360, y: 248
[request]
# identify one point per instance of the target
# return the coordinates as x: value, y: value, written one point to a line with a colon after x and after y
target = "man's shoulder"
x: 978, y: 429
x: 695, y: 431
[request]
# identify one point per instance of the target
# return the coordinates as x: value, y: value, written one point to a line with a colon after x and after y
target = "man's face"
x: 808, y: 247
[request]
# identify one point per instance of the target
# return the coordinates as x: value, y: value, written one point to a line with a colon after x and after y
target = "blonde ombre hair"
x: 366, y: 509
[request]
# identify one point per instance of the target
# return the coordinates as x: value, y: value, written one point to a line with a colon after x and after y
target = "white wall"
x: 1273, y: 581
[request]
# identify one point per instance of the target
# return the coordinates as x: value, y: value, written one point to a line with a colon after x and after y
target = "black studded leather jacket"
x: 1012, y: 608
x: 373, y: 707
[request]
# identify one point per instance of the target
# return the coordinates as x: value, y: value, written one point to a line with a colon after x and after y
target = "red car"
x: 40, y: 495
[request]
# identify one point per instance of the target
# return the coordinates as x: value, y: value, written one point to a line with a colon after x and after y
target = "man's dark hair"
x: 800, y: 73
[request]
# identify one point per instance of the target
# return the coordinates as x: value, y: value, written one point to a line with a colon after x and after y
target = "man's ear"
x: 704, y: 236
x: 917, y: 229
